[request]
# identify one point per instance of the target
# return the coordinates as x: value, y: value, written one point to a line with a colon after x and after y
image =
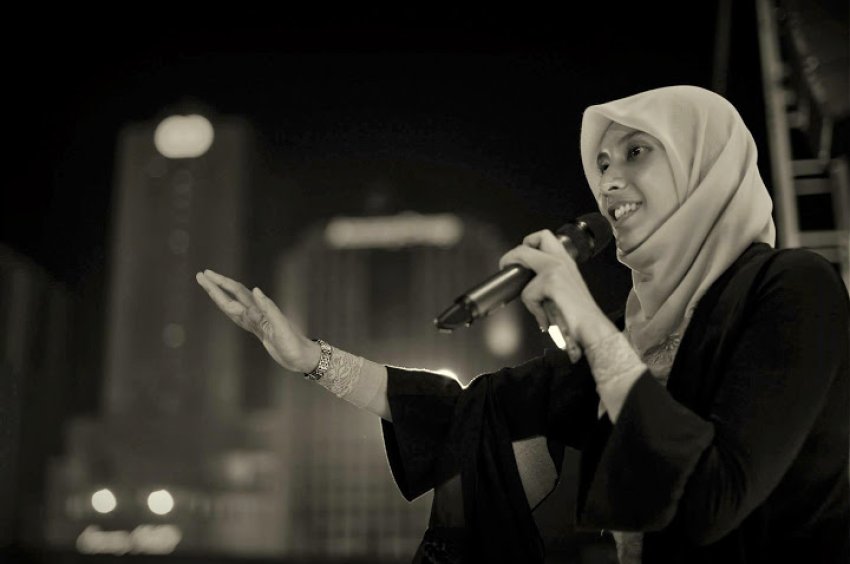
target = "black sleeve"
x: 435, y: 420
x: 709, y: 473
x: 422, y: 406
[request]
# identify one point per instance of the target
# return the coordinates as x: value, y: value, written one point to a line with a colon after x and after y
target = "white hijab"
x: 723, y: 204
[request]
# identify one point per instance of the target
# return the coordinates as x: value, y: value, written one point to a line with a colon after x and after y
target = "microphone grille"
x: 589, y: 234
x: 599, y: 228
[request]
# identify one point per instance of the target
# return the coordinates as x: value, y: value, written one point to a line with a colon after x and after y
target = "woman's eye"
x: 635, y: 151
x: 603, y: 167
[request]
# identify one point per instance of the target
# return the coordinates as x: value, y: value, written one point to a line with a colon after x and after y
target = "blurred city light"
x: 160, y: 502
x: 103, y: 501
x: 173, y: 335
x: 395, y: 231
x: 183, y: 137
x: 502, y: 334
x: 144, y: 539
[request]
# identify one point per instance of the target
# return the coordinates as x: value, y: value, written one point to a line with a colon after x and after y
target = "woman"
x: 713, y: 427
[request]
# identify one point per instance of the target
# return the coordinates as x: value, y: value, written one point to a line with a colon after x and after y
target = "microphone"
x: 582, y: 238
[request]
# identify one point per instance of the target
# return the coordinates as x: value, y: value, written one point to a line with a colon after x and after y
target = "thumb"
x: 267, y: 307
x: 263, y: 302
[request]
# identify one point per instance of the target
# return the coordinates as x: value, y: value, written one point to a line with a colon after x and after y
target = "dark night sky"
x: 499, y: 93
x: 486, y: 91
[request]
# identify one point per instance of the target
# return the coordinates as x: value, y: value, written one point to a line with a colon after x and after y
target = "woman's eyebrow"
x: 623, y: 140
x: 629, y: 136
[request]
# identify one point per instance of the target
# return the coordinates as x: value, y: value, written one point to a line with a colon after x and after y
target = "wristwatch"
x: 324, y: 361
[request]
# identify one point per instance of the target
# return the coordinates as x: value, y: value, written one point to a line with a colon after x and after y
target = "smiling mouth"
x: 621, y: 211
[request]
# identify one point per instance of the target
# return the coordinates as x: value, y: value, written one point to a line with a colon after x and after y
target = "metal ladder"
x: 792, y: 103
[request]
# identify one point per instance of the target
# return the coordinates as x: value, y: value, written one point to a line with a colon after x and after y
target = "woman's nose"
x: 612, y: 182
x: 612, y: 179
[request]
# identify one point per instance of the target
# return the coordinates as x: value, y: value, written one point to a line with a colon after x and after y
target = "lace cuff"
x: 616, y: 367
x: 343, y: 374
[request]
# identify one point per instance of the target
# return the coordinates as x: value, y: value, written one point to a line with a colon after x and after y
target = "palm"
x: 257, y: 314
x: 279, y: 338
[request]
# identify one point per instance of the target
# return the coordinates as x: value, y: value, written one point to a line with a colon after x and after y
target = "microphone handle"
x: 497, y: 290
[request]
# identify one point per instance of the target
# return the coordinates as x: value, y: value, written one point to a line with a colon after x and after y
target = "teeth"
x: 623, y: 209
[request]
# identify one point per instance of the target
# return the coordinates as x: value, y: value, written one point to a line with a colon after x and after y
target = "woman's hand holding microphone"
x: 558, y: 295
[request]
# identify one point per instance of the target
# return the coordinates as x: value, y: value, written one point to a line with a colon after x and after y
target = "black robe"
x: 742, y: 458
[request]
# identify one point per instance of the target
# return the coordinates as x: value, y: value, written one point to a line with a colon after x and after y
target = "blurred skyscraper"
x: 166, y: 466
x: 372, y: 285
x: 35, y: 316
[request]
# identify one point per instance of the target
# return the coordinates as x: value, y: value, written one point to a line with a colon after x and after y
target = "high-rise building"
x: 373, y: 285
x: 165, y: 467
x: 35, y: 338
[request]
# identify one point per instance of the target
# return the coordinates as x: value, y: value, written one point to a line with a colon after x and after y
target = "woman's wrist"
x: 596, y: 331
x: 616, y: 367
x: 310, y: 356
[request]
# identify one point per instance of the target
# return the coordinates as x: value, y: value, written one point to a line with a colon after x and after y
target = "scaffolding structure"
x: 804, y: 60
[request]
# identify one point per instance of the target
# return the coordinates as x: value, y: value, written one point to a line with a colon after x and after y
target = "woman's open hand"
x: 558, y: 290
x: 254, y: 312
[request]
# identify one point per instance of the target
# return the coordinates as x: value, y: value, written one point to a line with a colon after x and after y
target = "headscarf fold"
x: 723, y: 204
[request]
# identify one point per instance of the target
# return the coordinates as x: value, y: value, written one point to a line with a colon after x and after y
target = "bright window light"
x: 183, y: 137
x: 160, y: 502
x: 393, y: 232
x: 103, y: 501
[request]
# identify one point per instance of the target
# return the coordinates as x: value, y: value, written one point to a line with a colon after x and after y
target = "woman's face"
x: 636, y: 190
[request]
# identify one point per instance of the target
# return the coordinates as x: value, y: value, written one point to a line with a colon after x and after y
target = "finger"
x: 238, y: 290
x: 267, y: 306
x: 232, y: 308
x: 533, y: 239
x: 221, y: 299
x: 527, y: 257
x: 508, y: 259
x: 237, y: 313
x: 532, y: 301
x: 518, y: 255
x: 549, y: 243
